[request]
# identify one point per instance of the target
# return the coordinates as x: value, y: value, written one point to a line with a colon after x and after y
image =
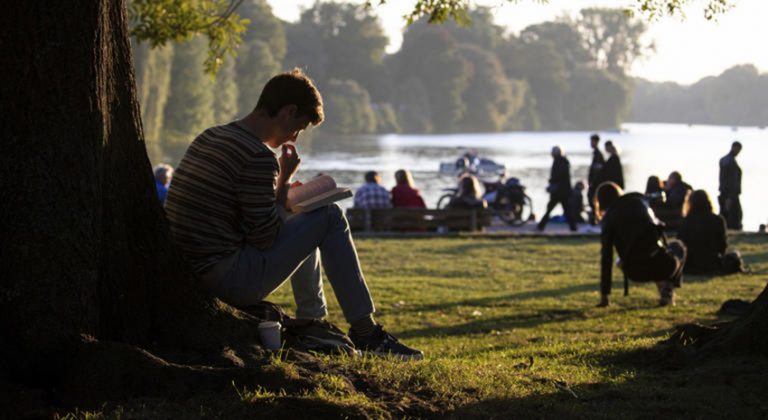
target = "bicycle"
x: 508, y: 201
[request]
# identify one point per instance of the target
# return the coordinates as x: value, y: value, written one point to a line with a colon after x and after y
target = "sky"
x: 687, y: 49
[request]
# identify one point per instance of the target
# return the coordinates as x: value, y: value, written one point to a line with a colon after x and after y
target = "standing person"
x: 613, y: 171
x: 227, y: 212
x: 559, y: 188
x: 404, y: 194
x: 372, y: 195
x: 163, y: 175
x: 628, y: 225
x: 730, y: 188
x: 595, y: 177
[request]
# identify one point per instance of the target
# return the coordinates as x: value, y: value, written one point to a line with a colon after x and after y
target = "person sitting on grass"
x: 677, y: 192
x: 404, y: 195
x: 629, y: 225
x: 704, y: 234
x: 654, y: 192
x: 372, y: 195
x: 227, y: 212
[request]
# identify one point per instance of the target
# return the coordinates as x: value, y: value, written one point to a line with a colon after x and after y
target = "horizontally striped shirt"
x: 222, y: 195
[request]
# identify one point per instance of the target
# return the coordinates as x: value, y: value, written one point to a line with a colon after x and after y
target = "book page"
x: 315, y: 187
x: 325, y: 198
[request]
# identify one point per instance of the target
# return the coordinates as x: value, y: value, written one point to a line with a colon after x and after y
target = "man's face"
x: 671, y: 182
x: 594, y: 142
x: 736, y: 150
x: 289, y: 125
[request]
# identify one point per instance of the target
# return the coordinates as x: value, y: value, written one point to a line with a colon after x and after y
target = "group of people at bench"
x: 403, y: 208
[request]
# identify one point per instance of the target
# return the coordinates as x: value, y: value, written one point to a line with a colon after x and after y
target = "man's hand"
x: 603, y: 301
x: 289, y: 163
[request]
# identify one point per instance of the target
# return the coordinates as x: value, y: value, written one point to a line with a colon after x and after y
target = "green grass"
x: 483, y: 309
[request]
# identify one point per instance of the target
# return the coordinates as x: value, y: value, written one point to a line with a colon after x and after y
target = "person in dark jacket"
x: 559, y: 189
x: 655, y: 194
x: 595, y: 177
x: 613, y: 171
x: 704, y: 234
x: 677, y: 192
x: 576, y: 202
x: 629, y: 226
x: 468, y: 196
x: 730, y: 188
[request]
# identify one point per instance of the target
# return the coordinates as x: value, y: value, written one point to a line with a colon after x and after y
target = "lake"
x: 647, y: 149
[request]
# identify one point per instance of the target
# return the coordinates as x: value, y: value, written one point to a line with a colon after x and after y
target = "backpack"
x: 732, y: 262
x: 307, y: 335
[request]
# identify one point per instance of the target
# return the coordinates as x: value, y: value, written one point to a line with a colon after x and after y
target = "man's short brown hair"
x: 292, y: 88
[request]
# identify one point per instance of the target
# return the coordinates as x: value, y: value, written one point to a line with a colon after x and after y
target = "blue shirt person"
x: 163, y: 175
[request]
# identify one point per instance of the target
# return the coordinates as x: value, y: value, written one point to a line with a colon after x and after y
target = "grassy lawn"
x: 510, y: 329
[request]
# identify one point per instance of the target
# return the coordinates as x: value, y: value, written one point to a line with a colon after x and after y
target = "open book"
x: 318, y: 192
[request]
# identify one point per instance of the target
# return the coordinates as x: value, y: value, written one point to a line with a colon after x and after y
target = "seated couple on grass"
x: 227, y: 211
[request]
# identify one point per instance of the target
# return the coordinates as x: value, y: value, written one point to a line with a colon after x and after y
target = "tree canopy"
x: 163, y: 21
x: 445, y: 78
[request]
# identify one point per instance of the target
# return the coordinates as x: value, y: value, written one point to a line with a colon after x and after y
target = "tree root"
x: 747, y: 334
x: 109, y: 371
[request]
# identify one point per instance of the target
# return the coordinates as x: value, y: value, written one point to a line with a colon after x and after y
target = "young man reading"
x: 227, y: 210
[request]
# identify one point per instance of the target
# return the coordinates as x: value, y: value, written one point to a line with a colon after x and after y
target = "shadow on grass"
x: 523, y: 244
x: 487, y: 325
x: 505, y: 299
x: 725, y: 387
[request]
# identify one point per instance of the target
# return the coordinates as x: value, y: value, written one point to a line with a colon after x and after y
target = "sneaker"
x: 382, y: 343
x: 667, y: 299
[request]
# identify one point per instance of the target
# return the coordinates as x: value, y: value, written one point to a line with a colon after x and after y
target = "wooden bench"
x: 415, y: 220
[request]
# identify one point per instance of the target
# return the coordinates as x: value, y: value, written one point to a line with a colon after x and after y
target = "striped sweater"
x: 222, y: 195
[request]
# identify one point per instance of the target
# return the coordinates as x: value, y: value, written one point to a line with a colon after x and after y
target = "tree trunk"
x: 86, y: 252
x: 747, y: 334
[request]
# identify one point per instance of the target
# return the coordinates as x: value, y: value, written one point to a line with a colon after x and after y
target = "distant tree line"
x: 738, y: 96
x: 565, y: 74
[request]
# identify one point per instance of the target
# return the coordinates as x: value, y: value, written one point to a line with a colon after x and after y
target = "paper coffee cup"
x: 269, y: 334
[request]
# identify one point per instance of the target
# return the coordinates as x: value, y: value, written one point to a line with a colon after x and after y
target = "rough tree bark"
x: 90, y: 281
x: 747, y: 334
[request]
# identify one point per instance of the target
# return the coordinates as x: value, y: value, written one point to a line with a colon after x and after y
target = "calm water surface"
x: 647, y: 149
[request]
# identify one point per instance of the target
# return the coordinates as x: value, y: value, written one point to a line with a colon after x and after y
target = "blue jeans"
x: 250, y: 275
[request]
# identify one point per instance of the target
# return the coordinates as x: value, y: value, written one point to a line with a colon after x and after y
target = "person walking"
x: 730, y: 188
x: 559, y: 189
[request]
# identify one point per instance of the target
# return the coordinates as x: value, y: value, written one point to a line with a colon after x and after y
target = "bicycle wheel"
x: 443, y: 201
x: 525, y: 213
x: 514, y: 212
